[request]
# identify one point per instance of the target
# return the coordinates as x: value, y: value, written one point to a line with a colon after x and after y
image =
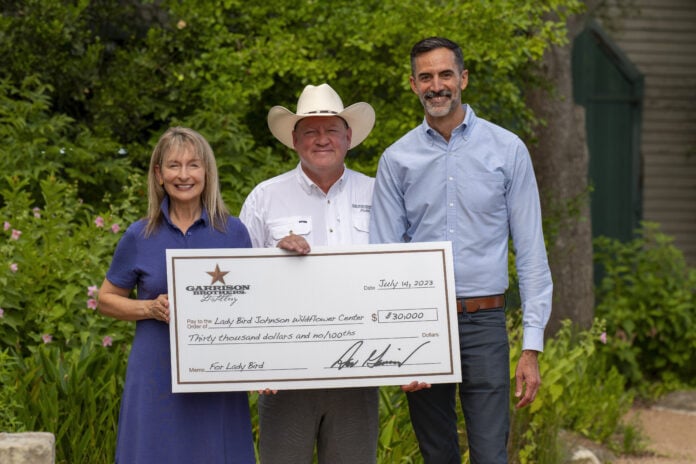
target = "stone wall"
x: 27, y: 448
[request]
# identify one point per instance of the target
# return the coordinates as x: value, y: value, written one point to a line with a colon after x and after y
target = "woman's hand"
x: 115, y: 302
x: 158, y: 308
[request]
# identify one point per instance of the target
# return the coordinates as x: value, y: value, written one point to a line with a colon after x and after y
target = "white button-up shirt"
x: 292, y: 203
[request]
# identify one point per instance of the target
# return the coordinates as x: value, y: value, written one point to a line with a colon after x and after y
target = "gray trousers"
x: 343, y: 423
x: 484, y: 394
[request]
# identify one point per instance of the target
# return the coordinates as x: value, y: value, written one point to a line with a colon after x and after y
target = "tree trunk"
x: 561, y: 160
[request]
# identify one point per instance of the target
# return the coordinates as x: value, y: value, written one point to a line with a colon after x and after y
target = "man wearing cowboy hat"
x: 320, y: 202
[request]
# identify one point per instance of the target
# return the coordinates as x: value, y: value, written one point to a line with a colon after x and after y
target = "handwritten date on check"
x: 372, y: 315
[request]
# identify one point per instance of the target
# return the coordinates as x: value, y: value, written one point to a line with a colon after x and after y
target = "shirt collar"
x: 164, y: 207
x: 310, y: 187
x: 462, y: 128
x: 469, y: 121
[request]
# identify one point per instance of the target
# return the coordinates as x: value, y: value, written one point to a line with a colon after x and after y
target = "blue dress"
x: 155, y: 425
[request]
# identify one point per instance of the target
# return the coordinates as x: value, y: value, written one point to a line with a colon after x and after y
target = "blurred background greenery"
x: 87, y: 87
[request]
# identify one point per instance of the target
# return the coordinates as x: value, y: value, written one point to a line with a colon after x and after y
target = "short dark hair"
x: 431, y: 43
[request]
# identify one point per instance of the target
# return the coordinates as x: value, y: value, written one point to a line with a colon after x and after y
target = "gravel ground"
x: 670, y: 429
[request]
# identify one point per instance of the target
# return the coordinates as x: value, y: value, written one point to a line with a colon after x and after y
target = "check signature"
x: 351, y: 357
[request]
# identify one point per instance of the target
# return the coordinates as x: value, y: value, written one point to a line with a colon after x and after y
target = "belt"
x: 484, y: 302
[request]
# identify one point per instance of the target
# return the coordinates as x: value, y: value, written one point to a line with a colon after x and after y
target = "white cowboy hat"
x: 321, y: 100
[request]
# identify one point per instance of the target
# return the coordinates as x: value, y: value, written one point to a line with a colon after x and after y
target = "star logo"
x: 217, y: 275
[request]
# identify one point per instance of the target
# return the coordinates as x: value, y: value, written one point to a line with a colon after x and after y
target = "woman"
x: 185, y: 210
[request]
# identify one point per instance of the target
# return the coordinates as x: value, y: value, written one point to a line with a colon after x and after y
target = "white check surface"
x: 370, y: 315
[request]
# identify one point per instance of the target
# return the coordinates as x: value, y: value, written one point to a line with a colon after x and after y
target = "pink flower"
x: 16, y: 234
x: 115, y: 228
x: 37, y: 212
x: 6, y: 226
x: 14, y: 267
x: 99, y: 221
x: 2, y: 313
x: 603, y: 338
x: 47, y: 338
x: 92, y: 303
x: 107, y: 341
x: 92, y: 290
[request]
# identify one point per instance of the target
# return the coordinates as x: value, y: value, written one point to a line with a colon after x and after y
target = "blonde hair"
x: 173, y: 140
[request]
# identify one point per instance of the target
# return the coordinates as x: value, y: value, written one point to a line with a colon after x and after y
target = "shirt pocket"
x: 361, y: 221
x: 282, y: 227
x: 484, y: 193
x: 361, y: 228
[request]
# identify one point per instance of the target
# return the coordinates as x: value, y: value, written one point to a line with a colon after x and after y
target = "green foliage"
x: 50, y: 256
x: 38, y: 143
x: 54, y: 41
x: 647, y: 296
x: 80, y: 118
x: 64, y: 368
x: 128, y: 70
x: 580, y: 393
x: 10, y: 403
x: 75, y: 394
x: 397, y: 442
x: 630, y: 439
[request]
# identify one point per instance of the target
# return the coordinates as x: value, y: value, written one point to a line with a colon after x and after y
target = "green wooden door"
x: 611, y: 90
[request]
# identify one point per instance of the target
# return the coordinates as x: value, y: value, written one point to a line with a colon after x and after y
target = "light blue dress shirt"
x: 475, y: 191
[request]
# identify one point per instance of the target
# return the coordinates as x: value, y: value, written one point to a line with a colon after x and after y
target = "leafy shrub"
x: 647, y: 296
x: 57, y: 41
x: 38, y: 143
x: 579, y: 393
x: 75, y: 394
x: 397, y: 441
x: 52, y: 259
x: 117, y: 74
x: 10, y: 403
x: 63, y: 365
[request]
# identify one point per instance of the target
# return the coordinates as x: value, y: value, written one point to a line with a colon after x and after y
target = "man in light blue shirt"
x: 460, y: 178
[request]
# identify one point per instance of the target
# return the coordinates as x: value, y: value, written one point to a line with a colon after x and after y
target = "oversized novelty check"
x: 251, y: 319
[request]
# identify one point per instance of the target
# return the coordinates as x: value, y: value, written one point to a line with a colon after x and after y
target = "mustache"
x: 442, y: 93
